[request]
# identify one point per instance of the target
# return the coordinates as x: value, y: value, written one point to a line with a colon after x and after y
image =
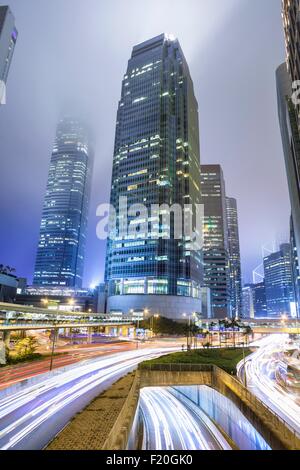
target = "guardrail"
x: 188, y: 367
x: 66, y: 322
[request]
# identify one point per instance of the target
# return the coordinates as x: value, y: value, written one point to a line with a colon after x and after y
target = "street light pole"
x: 244, y: 359
x: 138, y: 327
x: 53, y: 348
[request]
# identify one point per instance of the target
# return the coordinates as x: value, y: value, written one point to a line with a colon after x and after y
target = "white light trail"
x: 24, y: 413
x: 260, y: 373
x: 171, y: 424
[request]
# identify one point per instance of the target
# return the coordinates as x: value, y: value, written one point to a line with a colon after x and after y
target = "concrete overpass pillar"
x: 56, y: 335
x: 67, y: 332
x: 124, y: 331
x: 90, y: 335
x: 107, y: 330
x: 6, y: 338
x: 23, y: 334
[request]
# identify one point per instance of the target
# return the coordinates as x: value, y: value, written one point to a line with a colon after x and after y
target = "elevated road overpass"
x: 14, y: 317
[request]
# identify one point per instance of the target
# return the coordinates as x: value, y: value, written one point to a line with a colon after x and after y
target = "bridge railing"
x: 188, y: 367
x: 61, y: 323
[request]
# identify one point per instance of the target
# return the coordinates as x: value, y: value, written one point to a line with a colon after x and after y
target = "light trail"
x: 260, y: 374
x: 175, y: 424
x: 30, y: 418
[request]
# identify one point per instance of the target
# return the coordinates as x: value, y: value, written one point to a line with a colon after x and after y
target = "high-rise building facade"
x: 295, y: 266
x: 254, y: 301
x: 278, y: 282
x: 60, y: 256
x: 156, y: 161
x: 8, y: 39
x: 291, y: 23
x: 247, y: 302
x: 289, y: 117
x: 235, y: 277
x: 291, y: 148
x: 215, y: 249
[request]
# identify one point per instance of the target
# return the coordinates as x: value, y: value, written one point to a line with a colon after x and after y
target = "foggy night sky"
x: 71, y: 56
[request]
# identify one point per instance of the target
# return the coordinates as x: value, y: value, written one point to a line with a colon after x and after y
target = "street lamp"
x: 245, y: 371
x: 55, y: 330
x: 155, y: 316
x: 188, y: 331
x: 152, y: 324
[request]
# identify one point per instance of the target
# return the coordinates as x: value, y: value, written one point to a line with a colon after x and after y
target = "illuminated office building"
x: 278, y: 282
x: 8, y: 39
x: 289, y: 118
x: 216, y: 247
x: 60, y: 256
x: 291, y: 23
x: 254, y: 304
x: 235, y: 280
x: 156, y: 161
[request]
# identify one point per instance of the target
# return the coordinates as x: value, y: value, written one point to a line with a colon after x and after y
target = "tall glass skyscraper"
x: 278, y: 282
x: 8, y: 39
x: 156, y: 161
x: 254, y: 302
x: 289, y: 119
x: 291, y: 24
x: 216, y: 249
x: 235, y: 276
x: 60, y: 256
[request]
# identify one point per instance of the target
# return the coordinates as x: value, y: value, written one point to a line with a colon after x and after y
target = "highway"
x: 32, y: 416
x: 176, y: 424
x: 260, y: 374
x: 67, y: 355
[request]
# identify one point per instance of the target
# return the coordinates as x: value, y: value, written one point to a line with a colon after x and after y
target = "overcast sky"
x: 70, y: 58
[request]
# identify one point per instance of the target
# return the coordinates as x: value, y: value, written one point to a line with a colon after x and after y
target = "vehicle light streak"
x: 31, y: 417
x: 260, y: 372
x: 174, y: 424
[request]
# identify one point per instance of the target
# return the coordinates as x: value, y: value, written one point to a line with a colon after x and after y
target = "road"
x: 31, y: 417
x: 176, y: 424
x: 260, y: 373
x: 68, y: 355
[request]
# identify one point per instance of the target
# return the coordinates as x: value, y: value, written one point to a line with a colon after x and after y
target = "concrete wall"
x: 119, y: 434
x: 272, y: 428
x: 165, y: 305
x: 276, y: 433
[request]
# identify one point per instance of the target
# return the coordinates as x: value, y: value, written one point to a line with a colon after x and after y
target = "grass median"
x: 227, y: 359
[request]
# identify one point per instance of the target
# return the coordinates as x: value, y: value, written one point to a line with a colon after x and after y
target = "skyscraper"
x: 8, y: 39
x: 289, y: 119
x: 215, y: 250
x: 291, y: 24
x: 248, y: 302
x: 235, y: 279
x: 254, y: 301
x: 156, y: 161
x: 61, y: 249
x: 278, y: 282
x: 291, y: 148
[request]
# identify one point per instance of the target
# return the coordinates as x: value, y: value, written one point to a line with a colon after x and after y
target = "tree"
x: 26, y: 346
x: 248, y: 332
x: 164, y: 326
